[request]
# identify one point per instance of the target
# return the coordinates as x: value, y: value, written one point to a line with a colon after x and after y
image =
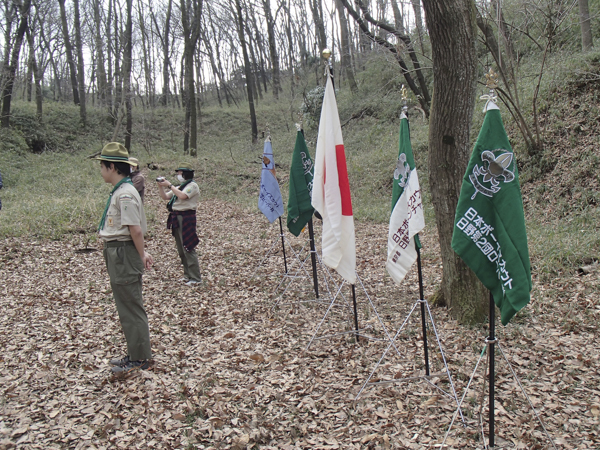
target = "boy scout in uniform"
x: 183, y: 201
x: 122, y: 229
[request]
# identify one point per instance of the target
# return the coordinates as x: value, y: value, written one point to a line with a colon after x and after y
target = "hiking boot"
x: 184, y: 279
x: 119, y: 362
x: 130, y: 366
x: 192, y: 282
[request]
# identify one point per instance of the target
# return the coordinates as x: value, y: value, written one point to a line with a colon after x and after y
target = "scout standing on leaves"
x: 183, y: 201
x: 122, y: 229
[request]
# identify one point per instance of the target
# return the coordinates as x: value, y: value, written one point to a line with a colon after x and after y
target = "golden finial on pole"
x: 491, y: 79
x: 404, y: 94
x: 491, y: 82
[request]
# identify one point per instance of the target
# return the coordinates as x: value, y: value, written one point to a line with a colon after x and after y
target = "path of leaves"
x: 231, y: 371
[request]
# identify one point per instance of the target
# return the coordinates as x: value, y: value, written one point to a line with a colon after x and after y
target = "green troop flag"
x: 489, y: 227
x: 406, y: 219
x: 300, y: 209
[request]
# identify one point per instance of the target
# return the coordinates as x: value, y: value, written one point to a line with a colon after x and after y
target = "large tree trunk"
x: 14, y: 61
x: 69, y: 51
x: 248, y: 71
x: 345, y: 47
x: 80, y: 62
x: 587, y: 42
x: 452, y: 30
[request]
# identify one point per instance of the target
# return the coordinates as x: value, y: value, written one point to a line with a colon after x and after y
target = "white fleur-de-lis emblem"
x: 402, y: 171
x: 494, y: 169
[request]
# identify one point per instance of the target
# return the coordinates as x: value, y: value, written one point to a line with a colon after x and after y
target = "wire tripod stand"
x: 489, y: 348
x: 424, y: 307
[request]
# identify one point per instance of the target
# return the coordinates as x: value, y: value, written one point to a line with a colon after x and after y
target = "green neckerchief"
x: 124, y: 180
x: 174, y: 198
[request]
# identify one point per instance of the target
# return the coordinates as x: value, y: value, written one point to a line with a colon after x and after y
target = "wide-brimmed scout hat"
x: 115, y: 152
x: 184, y: 169
x: 134, y: 161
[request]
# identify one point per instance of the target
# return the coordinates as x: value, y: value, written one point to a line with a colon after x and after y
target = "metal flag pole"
x: 283, y: 245
x: 422, y: 297
x: 313, y: 256
x: 355, y: 313
x: 491, y: 340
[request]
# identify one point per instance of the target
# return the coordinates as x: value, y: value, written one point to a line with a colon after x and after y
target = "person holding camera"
x: 122, y: 229
x: 183, y: 201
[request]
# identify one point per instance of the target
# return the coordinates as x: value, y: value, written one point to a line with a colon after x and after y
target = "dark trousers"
x: 125, y: 268
x: 191, y: 267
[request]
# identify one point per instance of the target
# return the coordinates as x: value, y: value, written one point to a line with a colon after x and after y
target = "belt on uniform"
x: 118, y: 243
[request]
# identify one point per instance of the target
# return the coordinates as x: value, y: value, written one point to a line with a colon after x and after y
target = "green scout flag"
x: 300, y: 209
x: 406, y: 219
x: 489, y: 227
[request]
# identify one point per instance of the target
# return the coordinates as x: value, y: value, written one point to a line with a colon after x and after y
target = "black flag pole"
x: 313, y: 256
x: 283, y: 245
x: 355, y: 313
x: 491, y: 341
x: 422, y: 300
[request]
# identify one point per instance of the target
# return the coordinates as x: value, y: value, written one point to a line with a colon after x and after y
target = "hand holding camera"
x: 159, y: 179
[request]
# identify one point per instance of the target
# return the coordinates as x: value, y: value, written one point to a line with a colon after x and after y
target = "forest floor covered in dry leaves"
x: 232, y: 371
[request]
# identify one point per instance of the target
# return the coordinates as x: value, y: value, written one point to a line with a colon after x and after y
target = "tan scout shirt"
x: 126, y: 208
x: 193, y: 192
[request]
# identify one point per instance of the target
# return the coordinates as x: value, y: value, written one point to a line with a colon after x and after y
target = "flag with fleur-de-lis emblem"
x: 489, y: 227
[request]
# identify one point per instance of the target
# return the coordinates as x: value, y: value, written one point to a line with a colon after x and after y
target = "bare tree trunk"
x: 190, y: 17
x: 36, y: 77
x: 100, y: 68
x: 345, y: 47
x: 452, y: 30
x: 248, y: 71
x: 146, y: 56
x: 127, y: 56
x: 398, y: 17
x: 418, y: 22
x: 80, y: 62
x: 14, y: 61
x: 110, y: 91
x: 9, y: 12
x: 272, y: 48
x: 317, y: 12
x: 587, y: 42
x: 69, y: 51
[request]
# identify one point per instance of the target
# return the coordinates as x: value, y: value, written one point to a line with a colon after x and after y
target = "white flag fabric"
x: 407, y: 218
x: 269, y: 197
x: 331, y: 191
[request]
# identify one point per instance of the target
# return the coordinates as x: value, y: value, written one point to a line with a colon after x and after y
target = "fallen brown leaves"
x: 231, y: 371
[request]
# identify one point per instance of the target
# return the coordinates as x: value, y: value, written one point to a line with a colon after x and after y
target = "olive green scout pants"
x: 125, y: 270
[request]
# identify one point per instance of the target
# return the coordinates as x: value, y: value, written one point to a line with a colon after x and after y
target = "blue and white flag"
x: 269, y: 197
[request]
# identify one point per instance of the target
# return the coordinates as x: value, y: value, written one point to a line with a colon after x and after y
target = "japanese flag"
x: 331, y: 191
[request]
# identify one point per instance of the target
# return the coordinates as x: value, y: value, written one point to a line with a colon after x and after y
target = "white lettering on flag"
x: 474, y: 226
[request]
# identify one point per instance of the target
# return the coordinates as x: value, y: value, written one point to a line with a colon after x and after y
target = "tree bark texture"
x: 127, y: 63
x: 14, y: 60
x: 248, y: 71
x: 80, y: 62
x: 587, y: 42
x: 346, y: 61
x: 69, y: 51
x: 452, y: 30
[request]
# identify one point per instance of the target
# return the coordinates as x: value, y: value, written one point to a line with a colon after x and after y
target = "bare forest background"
x: 206, y: 80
